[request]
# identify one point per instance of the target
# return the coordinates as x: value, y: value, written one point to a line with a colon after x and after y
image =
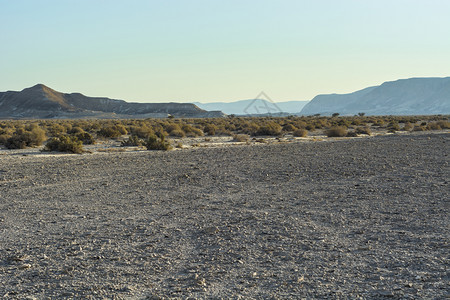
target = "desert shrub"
x: 363, y: 130
x: 378, y: 122
x: 142, y: 132
x: 177, y: 133
x: 393, y: 126
x: 356, y: 122
x: 229, y: 127
x: 310, y: 127
x: 109, y: 132
x: 56, y: 129
x: 86, y: 138
x: 4, y: 135
x: 444, y: 124
x: 250, y: 128
x: 419, y: 128
x: 408, y: 126
x: 67, y: 125
x: 270, y: 128
x: 434, y: 126
x: 133, y: 140
x: 157, y: 143
x: 191, y: 131
x: 300, y: 133
x: 75, y: 130
x: 352, y: 134
x: 241, y: 138
x: 337, y: 131
x: 343, y: 122
x: 64, y: 143
x: 175, y: 130
x: 289, y: 127
x: 121, y: 129
x: 4, y: 138
x: 196, y: 132
x: 221, y: 130
x: 320, y: 123
x: 301, y: 124
x: 22, y: 138
x: 210, y: 129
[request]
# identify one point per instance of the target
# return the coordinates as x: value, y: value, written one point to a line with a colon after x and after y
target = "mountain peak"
x: 38, y: 86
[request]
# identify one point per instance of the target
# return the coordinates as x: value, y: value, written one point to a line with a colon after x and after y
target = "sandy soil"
x: 352, y: 218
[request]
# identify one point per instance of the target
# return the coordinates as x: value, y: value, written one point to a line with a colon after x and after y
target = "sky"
x: 211, y: 50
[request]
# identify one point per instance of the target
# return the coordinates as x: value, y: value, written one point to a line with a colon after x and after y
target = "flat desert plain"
x: 357, y: 218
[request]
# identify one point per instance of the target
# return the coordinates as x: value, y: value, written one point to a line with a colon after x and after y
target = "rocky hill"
x: 43, y: 102
x: 414, y: 96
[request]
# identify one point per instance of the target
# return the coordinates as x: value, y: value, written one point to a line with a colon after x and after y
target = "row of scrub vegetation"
x: 155, y: 134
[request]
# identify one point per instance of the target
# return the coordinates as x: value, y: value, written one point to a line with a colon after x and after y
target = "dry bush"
x: 352, y: 134
x: 338, y: 131
x: 300, y: 133
x: 189, y: 130
x: 4, y: 138
x: 133, y: 141
x: 342, y: 122
x: 310, y: 127
x: 289, y: 128
x: 378, y: 122
x: 157, y: 143
x: 75, y: 130
x: 5, y: 134
x: 419, y: 128
x: 363, y: 130
x: 393, y: 126
x: 250, y: 128
x: 177, y: 133
x: 64, y: 143
x: 408, y: 126
x: 23, y: 138
x: 210, y: 129
x: 196, y: 132
x: 112, y: 131
x: 56, y: 129
x: 142, y: 132
x: 86, y: 138
x: 241, y: 138
x: 271, y: 128
x: 433, y: 126
x: 444, y: 124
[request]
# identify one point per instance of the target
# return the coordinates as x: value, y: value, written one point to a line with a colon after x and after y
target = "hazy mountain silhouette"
x: 414, y: 96
x: 245, y: 107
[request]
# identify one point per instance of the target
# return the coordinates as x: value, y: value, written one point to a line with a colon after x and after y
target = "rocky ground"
x: 358, y: 218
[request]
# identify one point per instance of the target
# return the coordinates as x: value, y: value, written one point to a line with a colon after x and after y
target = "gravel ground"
x: 360, y: 218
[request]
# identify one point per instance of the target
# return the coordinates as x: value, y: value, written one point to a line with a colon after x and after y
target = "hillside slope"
x: 414, y: 96
x: 41, y: 101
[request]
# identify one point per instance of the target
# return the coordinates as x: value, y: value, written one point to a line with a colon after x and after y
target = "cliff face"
x: 41, y: 101
x: 414, y: 96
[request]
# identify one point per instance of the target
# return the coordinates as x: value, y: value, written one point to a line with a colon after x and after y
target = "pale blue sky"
x: 208, y: 50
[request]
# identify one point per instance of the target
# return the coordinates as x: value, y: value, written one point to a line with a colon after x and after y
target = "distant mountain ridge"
x: 254, y: 106
x: 43, y: 102
x: 414, y: 96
